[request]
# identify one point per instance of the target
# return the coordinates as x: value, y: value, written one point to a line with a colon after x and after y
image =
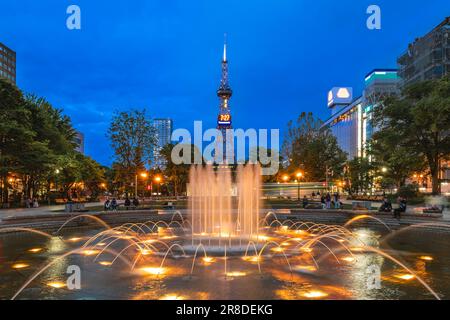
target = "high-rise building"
x: 379, y: 84
x: 163, y: 128
x: 224, y: 118
x: 350, y: 120
x: 79, y: 140
x: 7, y: 63
x: 427, y: 57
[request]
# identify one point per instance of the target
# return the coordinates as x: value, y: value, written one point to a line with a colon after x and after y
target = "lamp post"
x: 143, y: 175
x: 299, y: 175
x: 158, y: 180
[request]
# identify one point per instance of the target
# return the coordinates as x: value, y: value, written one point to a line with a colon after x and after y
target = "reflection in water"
x: 297, y: 261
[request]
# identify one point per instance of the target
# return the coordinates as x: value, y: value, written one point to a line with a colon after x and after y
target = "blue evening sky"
x: 165, y: 55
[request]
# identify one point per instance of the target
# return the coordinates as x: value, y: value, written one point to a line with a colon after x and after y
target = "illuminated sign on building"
x: 224, y: 120
x: 340, y: 96
x: 381, y: 75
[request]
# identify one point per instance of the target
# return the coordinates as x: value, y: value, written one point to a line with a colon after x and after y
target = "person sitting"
x: 305, y: 202
x: 127, y: 203
x: 113, y: 205
x: 135, y: 202
x: 386, y: 206
x: 106, y: 205
x: 401, y: 208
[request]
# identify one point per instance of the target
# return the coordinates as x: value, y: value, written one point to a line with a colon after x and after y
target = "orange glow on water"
x: 89, y: 252
x: 35, y: 250
x: 153, y: 270
x: 208, y: 259
x: 426, y: 258
x: 348, y: 259
x: 105, y: 263
x: 20, y: 266
x: 251, y: 258
x: 236, y: 274
x: 74, y: 239
x: 56, y: 284
x: 315, y: 294
x: 405, y: 276
x: 306, y: 268
x: 172, y: 297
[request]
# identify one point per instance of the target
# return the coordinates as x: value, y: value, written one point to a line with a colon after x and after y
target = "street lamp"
x: 299, y: 175
x: 384, y: 169
x: 285, y: 178
x: 143, y: 175
x: 158, y: 180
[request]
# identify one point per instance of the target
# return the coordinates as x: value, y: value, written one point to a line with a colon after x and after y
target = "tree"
x: 313, y: 149
x: 53, y: 137
x: 15, y: 133
x: 132, y: 138
x: 420, y: 121
x: 359, y: 175
x: 399, y: 162
x: 177, y: 175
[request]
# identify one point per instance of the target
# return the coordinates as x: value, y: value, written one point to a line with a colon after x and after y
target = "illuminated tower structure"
x: 224, y: 119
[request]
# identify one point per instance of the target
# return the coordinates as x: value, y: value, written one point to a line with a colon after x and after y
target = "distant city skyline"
x: 164, y: 56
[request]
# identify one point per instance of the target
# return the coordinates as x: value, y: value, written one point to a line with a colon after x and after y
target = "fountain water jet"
x: 222, y: 212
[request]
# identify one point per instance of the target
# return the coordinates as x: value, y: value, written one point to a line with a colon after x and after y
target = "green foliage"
x: 312, y: 149
x: 417, y: 124
x: 409, y: 191
x: 177, y: 175
x: 36, y: 142
x: 359, y: 175
x: 132, y: 139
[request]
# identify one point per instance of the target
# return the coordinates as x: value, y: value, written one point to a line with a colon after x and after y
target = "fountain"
x: 222, y: 213
x: 225, y: 238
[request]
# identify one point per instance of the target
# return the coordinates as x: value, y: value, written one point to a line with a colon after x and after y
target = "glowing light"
x: 89, y: 252
x: 74, y: 239
x: 251, y: 258
x: 306, y: 268
x: 307, y: 250
x: 348, y: 259
x: 56, y: 284
x: 172, y: 297
x: 208, y: 259
x: 153, y: 270
x: 285, y: 244
x: 35, y: 250
x: 315, y: 294
x: 101, y: 244
x: 105, y: 263
x: 20, y: 266
x: 343, y: 93
x: 405, y: 276
x: 426, y: 258
x: 236, y: 274
x: 145, y: 252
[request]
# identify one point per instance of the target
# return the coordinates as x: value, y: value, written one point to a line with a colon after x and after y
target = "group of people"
x: 386, y: 206
x: 31, y: 203
x: 112, y: 205
x: 328, y: 201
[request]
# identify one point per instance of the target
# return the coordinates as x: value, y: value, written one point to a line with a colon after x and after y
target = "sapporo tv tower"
x: 224, y: 119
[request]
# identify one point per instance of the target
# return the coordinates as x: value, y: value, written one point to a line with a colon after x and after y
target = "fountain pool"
x: 227, y: 249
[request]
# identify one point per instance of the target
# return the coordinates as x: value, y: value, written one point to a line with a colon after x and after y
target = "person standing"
x: 328, y: 200
x: 337, y: 203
